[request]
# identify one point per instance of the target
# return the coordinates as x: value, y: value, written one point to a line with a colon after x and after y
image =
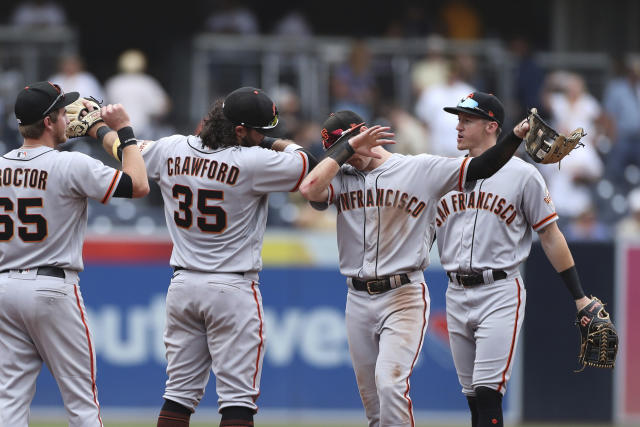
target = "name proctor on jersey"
x: 383, y: 198
x: 476, y: 200
x: 26, y: 178
x: 197, y: 166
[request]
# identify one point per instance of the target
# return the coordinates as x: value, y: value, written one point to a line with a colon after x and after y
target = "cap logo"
x: 256, y: 92
x: 470, y: 95
x: 490, y: 113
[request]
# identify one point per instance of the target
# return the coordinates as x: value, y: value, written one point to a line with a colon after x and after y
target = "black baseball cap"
x: 481, y: 104
x: 39, y: 99
x: 336, y: 124
x: 251, y: 107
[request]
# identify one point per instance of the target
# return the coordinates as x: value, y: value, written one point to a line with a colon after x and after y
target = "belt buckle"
x: 372, y: 292
x: 462, y: 279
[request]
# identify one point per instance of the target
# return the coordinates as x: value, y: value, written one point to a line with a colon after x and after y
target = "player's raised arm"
x: 357, y: 140
x: 116, y: 135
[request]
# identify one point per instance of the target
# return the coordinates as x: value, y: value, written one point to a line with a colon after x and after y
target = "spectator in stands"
x: 73, y: 77
x: 440, y: 124
x: 629, y: 226
x: 529, y: 78
x: 571, y: 106
x: 293, y: 24
x: 140, y: 93
x: 353, y: 85
x: 288, y: 102
x: 232, y: 17
x: 586, y: 226
x: 461, y: 20
x: 433, y: 68
x: 621, y: 100
x: 39, y: 13
x: 411, y: 135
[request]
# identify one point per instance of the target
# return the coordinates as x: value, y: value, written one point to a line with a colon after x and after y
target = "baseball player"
x: 43, y: 219
x: 215, y: 187
x: 387, y: 205
x: 484, y: 231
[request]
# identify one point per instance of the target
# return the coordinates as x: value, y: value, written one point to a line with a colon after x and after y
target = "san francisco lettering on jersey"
x: 24, y: 177
x: 198, y: 166
x: 488, y: 201
x: 382, y: 198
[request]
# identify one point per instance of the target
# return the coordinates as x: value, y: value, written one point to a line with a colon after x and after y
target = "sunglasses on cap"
x: 55, y: 101
x: 273, y: 123
x: 469, y: 103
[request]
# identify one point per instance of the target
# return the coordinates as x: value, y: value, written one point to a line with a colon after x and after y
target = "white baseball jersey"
x: 215, y: 201
x: 483, y: 229
x: 43, y: 219
x: 489, y: 224
x: 385, y: 227
x: 385, y: 216
x: 43, y: 205
x: 215, y: 205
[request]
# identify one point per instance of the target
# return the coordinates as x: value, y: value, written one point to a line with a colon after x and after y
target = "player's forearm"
x: 314, y: 186
x: 132, y: 162
x: 555, y: 248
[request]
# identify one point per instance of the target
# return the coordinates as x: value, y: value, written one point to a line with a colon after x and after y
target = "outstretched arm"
x: 497, y: 156
x: 314, y: 186
x: 557, y: 251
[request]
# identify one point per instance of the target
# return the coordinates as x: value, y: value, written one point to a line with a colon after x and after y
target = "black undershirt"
x: 494, y: 158
x: 125, y: 187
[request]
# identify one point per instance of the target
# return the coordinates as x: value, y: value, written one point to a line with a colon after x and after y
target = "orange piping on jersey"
x: 255, y: 375
x: 331, y: 194
x: 462, y: 168
x: 86, y: 330
x: 304, y: 171
x: 424, y: 325
x: 513, y: 340
x: 111, y: 186
x: 549, y: 218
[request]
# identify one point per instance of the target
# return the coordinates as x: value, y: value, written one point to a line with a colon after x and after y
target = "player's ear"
x: 241, y: 131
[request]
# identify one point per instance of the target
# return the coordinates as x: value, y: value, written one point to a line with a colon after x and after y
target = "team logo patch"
x: 22, y: 154
x: 547, y: 197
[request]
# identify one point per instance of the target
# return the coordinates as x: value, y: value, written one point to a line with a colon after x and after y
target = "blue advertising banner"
x: 307, y: 364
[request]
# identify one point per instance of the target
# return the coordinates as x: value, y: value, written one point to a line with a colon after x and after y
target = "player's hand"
x: 521, y: 129
x: 115, y: 116
x: 368, y: 138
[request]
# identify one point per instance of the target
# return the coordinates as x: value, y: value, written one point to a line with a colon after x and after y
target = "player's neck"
x: 377, y: 162
x: 481, y: 148
x: 35, y: 143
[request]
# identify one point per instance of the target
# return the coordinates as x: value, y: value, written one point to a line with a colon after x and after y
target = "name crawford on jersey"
x: 198, y: 166
x: 383, y: 198
x: 459, y: 202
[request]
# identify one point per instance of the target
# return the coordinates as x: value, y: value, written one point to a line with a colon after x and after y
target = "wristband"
x: 341, y: 151
x: 116, y: 150
x: 126, y: 136
x: 572, y: 282
x: 101, y: 132
x: 267, y: 142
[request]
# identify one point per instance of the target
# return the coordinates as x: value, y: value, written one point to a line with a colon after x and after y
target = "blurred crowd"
x: 596, y: 189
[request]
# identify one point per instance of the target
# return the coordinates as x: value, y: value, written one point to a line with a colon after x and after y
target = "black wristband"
x: 101, y: 132
x: 126, y: 136
x: 341, y: 151
x: 267, y: 142
x: 572, y: 282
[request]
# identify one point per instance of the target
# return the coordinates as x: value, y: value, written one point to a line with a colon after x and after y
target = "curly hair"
x: 217, y: 131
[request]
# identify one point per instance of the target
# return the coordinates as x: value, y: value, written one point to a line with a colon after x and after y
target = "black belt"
x: 475, y: 279
x: 43, y: 271
x: 176, y: 269
x: 380, y: 285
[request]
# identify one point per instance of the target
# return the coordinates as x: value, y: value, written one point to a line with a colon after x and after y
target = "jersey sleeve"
x: 537, y: 205
x: 332, y: 194
x: 275, y: 171
x: 154, y: 155
x: 443, y: 174
x: 89, y: 177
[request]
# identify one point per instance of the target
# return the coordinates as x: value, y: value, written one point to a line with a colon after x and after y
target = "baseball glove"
x: 598, y: 336
x: 82, y: 119
x: 544, y: 144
